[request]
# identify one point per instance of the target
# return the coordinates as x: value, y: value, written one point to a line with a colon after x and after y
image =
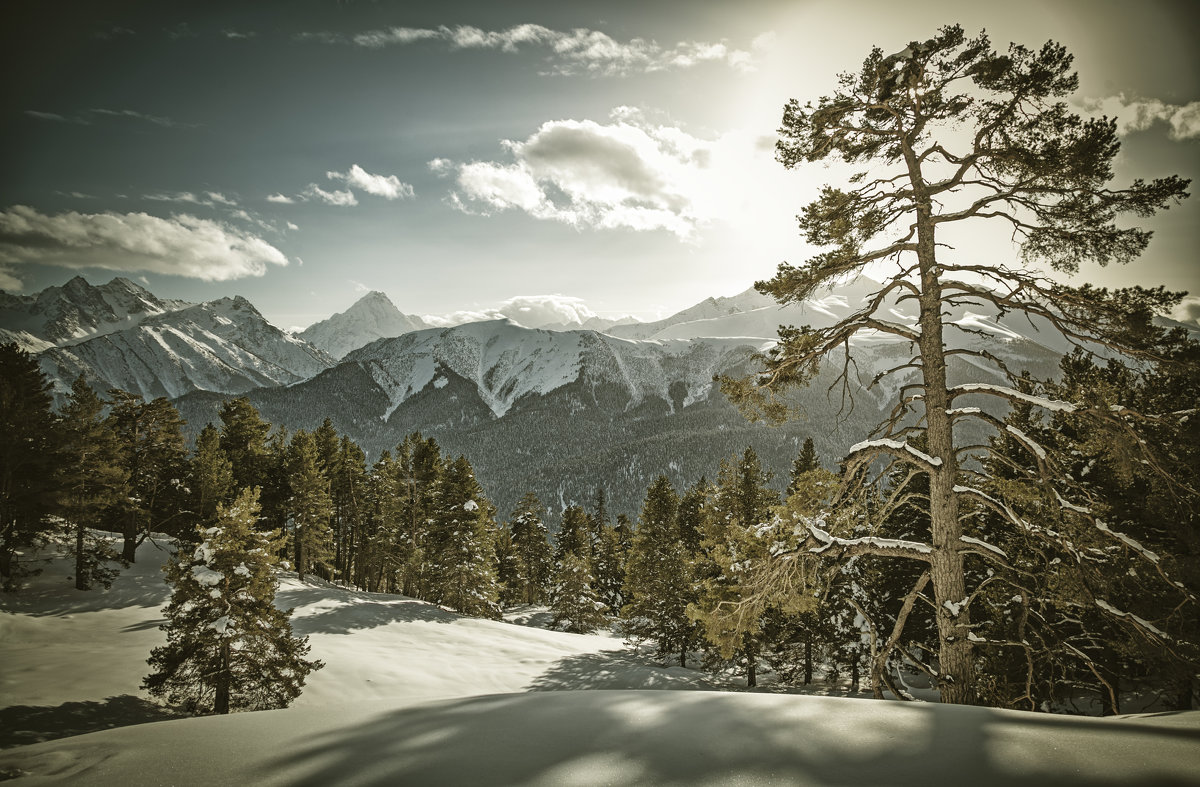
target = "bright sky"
x: 457, y: 154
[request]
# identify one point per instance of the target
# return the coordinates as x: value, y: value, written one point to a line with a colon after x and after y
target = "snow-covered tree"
x: 531, y: 550
x: 228, y: 647
x: 955, y: 136
x: 574, y: 604
x: 461, y: 543
x: 309, y: 507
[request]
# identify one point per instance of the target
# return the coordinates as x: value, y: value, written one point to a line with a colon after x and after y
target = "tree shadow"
x: 715, y: 738
x: 616, y: 669
x: 25, y: 724
x: 352, y: 611
x: 141, y: 584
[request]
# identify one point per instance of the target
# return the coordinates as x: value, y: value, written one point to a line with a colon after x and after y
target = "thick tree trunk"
x: 130, y: 544
x: 946, y: 562
x: 807, y: 661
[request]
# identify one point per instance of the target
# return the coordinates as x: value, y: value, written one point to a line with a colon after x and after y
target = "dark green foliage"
x: 28, y: 457
x: 228, y: 647
x: 460, y: 544
x: 93, y: 479
x: 659, y: 577
x: 310, y: 507
x: 211, y: 477
x: 155, y: 459
x: 574, y: 604
x: 530, y: 544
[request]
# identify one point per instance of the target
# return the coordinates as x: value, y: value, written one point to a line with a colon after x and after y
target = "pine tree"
x: 244, y: 441
x: 659, y: 577
x: 211, y: 477
x: 228, y: 647
x: 461, y: 539
x: 952, y: 132
x: 575, y: 605
x: 739, y: 513
x: 531, y: 548
x: 310, y: 507
x: 573, y: 535
x: 93, y: 480
x: 155, y: 459
x: 806, y: 462
x: 28, y: 456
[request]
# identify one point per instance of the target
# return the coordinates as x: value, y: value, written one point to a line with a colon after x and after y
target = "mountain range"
x: 558, y: 412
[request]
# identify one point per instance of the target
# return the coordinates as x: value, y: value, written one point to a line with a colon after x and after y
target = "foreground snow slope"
x: 627, y: 737
x: 412, y: 694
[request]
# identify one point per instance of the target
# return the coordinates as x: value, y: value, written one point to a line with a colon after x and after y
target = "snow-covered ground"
x: 412, y: 694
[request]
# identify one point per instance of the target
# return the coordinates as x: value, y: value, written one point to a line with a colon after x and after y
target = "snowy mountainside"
x: 371, y: 317
x: 76, y: 310
x: 223, y: 345
x: 506, y: 362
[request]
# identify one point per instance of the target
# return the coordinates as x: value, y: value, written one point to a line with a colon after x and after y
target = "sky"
x: 588, y: 158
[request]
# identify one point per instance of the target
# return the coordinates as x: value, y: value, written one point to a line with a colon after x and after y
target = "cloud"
x: 181, y: 245
x: 82, y: 119
x: 129, y: 113
x: 238, y: 34
x: 282, y: 199
x: 344, y: 199
x: 440, y: 166
x: 292, y: 226
x: 531, y: 311
x: 1133, y: 115
x: 627, y: 173
x: 1188, y: 311
x: 208, y: 198
x: 386, y: 186
x: 578, y: 51
x: 535, y: 311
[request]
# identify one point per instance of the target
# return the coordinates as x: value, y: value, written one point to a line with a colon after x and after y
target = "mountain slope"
x: 372, y: 317
x: 223, y: 345
x: 76, y: 310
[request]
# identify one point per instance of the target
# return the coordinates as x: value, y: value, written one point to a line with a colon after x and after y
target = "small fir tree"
x: 531, y: 548
x: 576, y: 607
x: 228, y: 647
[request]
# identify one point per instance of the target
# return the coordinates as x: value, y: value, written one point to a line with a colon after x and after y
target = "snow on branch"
x: 1129, y: 542
x: 865, y: 544
x: 897, y: 448
x: 1052, y: 405
x: 995, y: 550
x: 1139, y: 621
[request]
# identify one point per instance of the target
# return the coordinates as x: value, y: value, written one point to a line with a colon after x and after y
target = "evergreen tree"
x: 573, y: 535
x: 531, y: 548
x: 310, y: 507
x: 211, y: 477
x: 461, y: 542
x: 155, y: 459
x: 575, y: 605
x: 955, y: 134
x: 739, y: 513
x: 659, y: 579
x: 93, y: 480
x: 228, y: 647
x: 348, y: 489
x: 419, y: 463
x: 806, y: 462
x: 244, y: 441
x: 28, y: 456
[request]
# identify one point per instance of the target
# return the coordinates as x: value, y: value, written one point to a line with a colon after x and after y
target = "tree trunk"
x: 299, y: 538
x: 946, y: 563
x: 808, y: 661
x: 751, y: 671
x: 81, y: 580
x: 130, y: 544
x: 224, y: 678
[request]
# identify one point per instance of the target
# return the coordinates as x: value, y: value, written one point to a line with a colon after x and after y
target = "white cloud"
x: 1134, y: 115
x: 208, y: 199
x: 440, y: 166
x: 129, y: 113
x: 57, y: 118
x: 626, y: 173
x: 578, y: 51
x: 281, y: 199
x: 292, y: 226
x: 343, y: 199
x: 535, y: 311
x: 1188, y: 311
x: 181, y: 245
x: 386, y: 186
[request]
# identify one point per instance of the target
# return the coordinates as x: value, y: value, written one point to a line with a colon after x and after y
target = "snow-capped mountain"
x: 506, y: 362
x: 76, y: 310
x: 223, y: 345
x: 372, y: 317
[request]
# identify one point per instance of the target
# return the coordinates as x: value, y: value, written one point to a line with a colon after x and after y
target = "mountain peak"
x: 371, y: 317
